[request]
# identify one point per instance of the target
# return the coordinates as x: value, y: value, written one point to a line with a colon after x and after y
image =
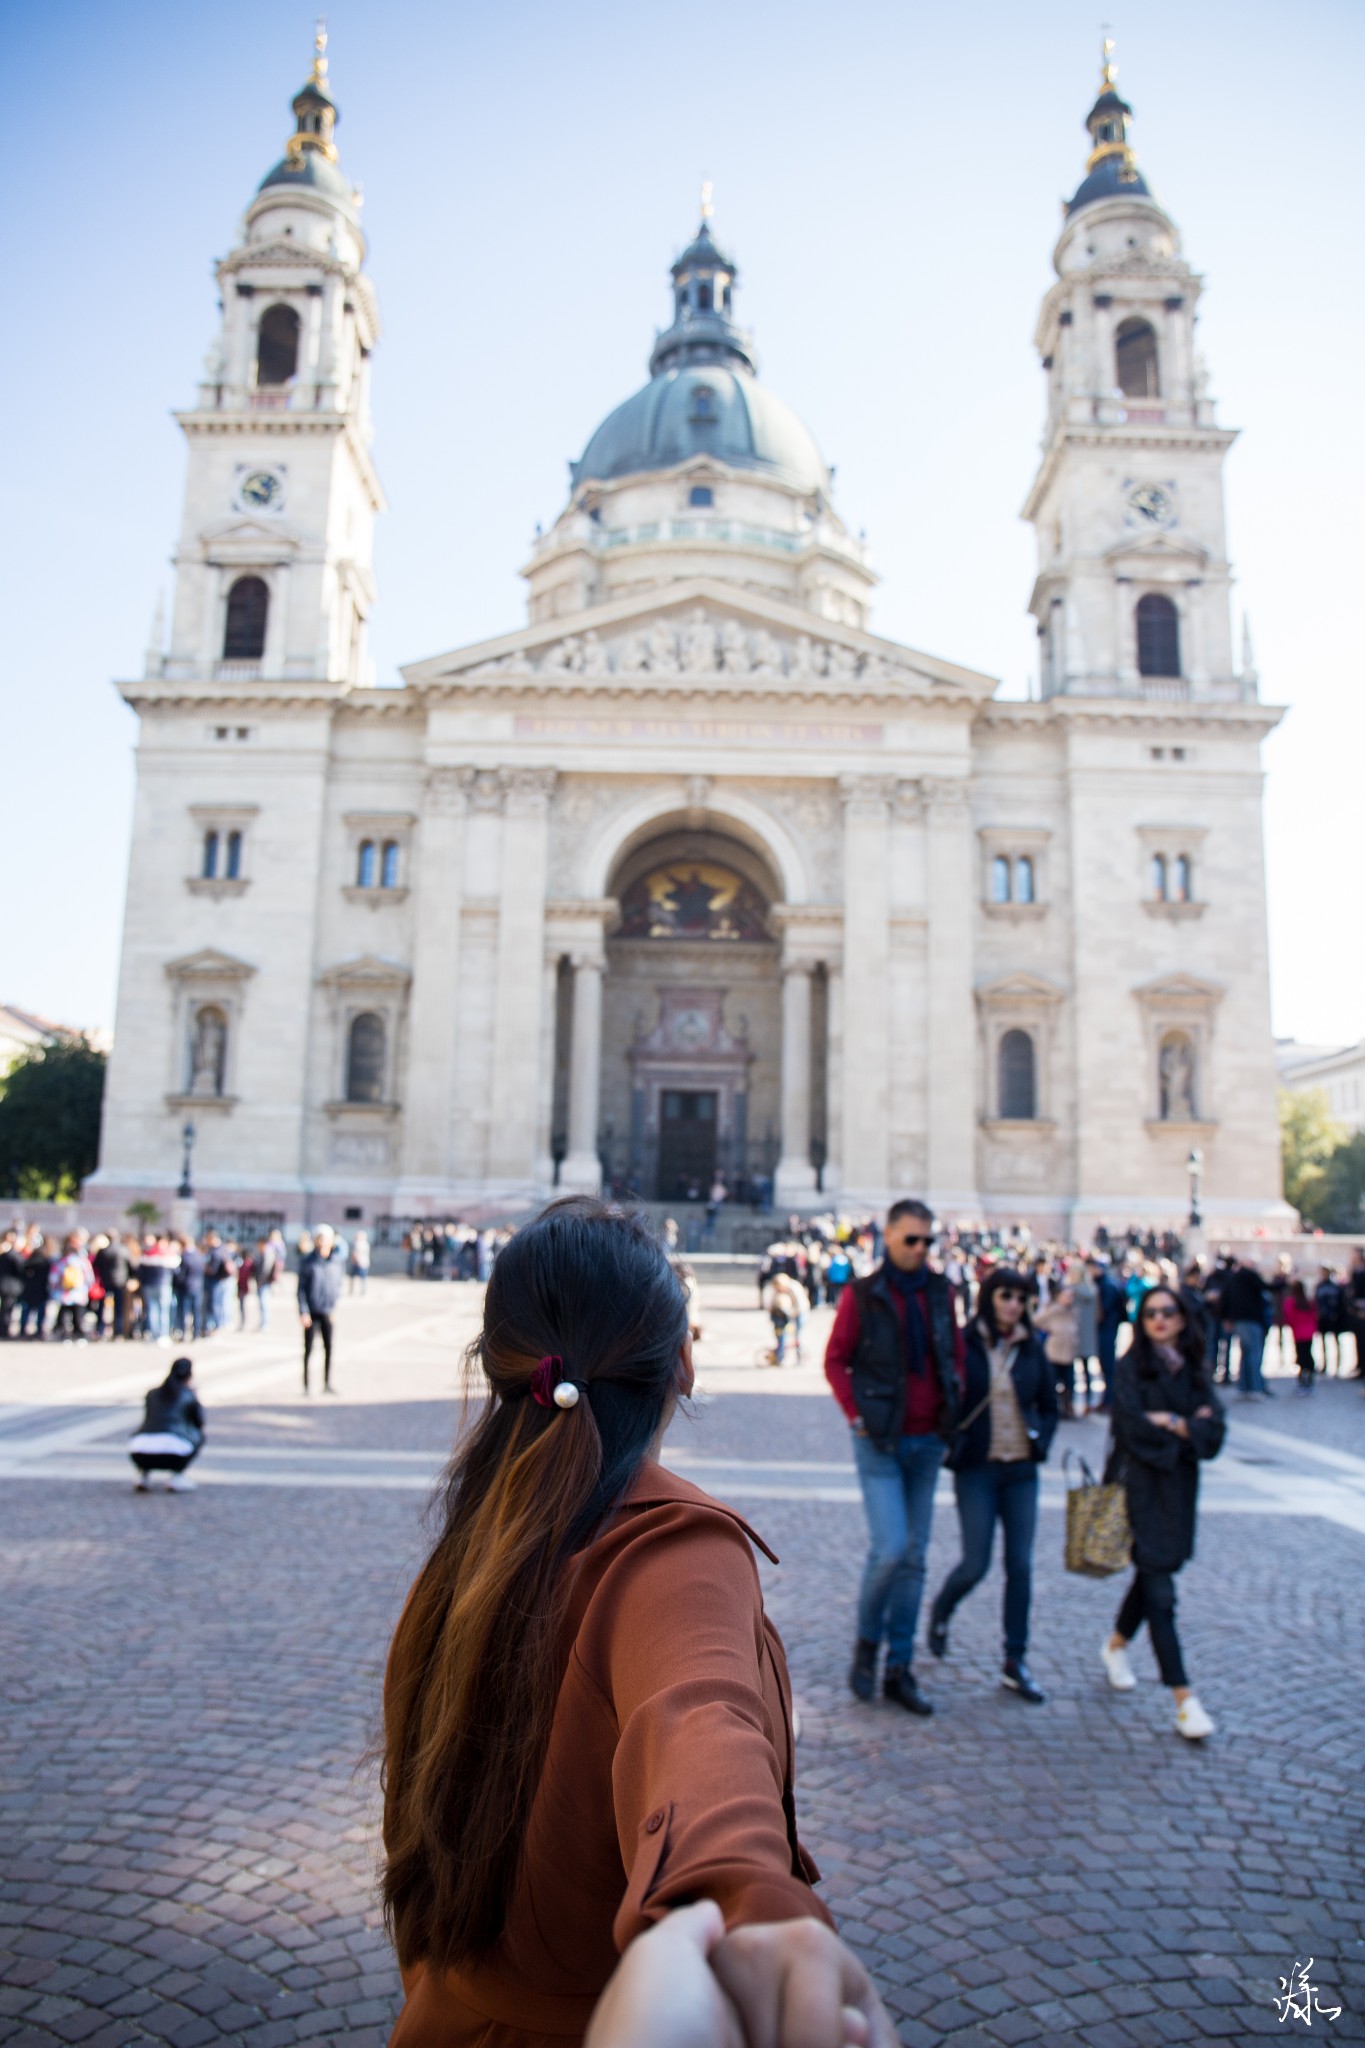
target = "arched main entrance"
x: 692, y: 1018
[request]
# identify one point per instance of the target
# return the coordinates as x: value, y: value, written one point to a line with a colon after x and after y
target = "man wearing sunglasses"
x: 894, y: 1362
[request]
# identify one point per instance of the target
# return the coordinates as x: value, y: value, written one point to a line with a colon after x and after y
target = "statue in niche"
x: 767, y: 653
x: 208, y: 1052
x: 594, y: 658
x: 699, y: 645
x: 734, y: 649
x: 1177, y: 1080
x: 663, y: 659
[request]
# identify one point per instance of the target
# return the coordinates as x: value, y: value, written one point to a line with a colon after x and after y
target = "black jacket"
x: 1242, y: 1296
x: 320, y: 1282
x: 878, y: 1368
x: 11, y: 1275
x: 173, y: 1409
x: 1035, y: 1387
x: 111, y: 1266
x: 1159, y: 1469
x: 37, y: 1272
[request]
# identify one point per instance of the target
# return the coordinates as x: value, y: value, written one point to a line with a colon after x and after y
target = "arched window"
x: 365, y: 865
x: 234, y: 856
x: 703, y: 403
x: 1135, y: 360
x: 388, y: 871
x: 208, y: 1050
x: 1158, y: 636
x: 247, y: 606
x: 1161, y: 887
x: 1182, y: 890
x: 704, y: 303
x: 277, y: 346
x: 1023, y: 879
x: 1017, y: 1092
x: 1176, y: 1079
x: 365, y: 1058
x: 209, y: 866
x: 1000, y: 879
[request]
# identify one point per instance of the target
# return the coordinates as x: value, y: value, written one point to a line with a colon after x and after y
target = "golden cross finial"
x: 1109, y: 70
x: 319, y: 72
x: 707, y: 209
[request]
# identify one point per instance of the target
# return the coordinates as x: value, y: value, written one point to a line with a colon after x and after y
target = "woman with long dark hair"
x: 1167, y: 1419
x: 1009, y: 1411
x: 587, y: 1713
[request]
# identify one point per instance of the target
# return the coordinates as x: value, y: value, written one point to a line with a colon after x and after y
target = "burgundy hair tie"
x: 549, y: 1387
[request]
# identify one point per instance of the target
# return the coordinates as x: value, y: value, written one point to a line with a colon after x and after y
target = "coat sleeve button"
x: 655, y: 1822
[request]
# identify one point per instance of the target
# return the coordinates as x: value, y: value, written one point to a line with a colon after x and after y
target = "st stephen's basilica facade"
x: 693, y: 872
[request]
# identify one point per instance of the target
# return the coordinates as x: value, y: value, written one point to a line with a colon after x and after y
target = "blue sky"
x: 889, y: 176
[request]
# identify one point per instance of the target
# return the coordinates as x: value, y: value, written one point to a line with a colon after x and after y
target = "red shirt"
x: 922, y: 1397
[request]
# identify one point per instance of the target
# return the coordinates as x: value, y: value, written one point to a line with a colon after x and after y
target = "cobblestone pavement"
x: 190, y: 1688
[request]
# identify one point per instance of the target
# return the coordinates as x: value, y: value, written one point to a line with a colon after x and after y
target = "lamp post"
x: 185, y: 1191
x: 1195, y: 1166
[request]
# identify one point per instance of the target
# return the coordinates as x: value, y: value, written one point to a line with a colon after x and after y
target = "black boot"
x: 937, y: 1637
x: 1017, y: 1678
x: 899, y: 1686
x: 862, y: 1672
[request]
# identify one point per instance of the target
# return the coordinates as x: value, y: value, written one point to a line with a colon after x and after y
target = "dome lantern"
x: 310, y: 155
x: 704, y: 280
x: 1111, y: 168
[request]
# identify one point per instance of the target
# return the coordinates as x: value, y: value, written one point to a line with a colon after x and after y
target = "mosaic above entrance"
x: 692, y: 900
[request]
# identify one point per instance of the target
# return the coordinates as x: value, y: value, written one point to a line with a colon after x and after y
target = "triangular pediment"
x: 708, y: 634
x: 1019, y: 988
x: 1151, y: 549
x: 208, y: 964
x: 1179, y: 988
x: 368, y: 970
x: 248, y: 537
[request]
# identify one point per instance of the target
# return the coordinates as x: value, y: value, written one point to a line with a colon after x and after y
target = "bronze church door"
x: 687, y: 1143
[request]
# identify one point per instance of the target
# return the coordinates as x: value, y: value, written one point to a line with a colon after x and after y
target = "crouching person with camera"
x: 1009, y: 1414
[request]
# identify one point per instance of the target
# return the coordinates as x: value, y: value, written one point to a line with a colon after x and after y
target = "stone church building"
x: 693, y: 872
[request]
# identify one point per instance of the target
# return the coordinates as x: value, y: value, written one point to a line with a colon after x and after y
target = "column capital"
x: 487, y: 790
x: 908, y: 802
x: 447, y: 791
x: 946, y: 799
x: 797, y: 965
x: 528, y: 790
x: 866, y: 796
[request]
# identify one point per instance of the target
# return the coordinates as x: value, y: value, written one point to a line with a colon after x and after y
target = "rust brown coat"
x: 668, y: 1776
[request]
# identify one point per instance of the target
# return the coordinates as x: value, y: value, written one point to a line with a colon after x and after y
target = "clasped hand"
x: 689, y: 1984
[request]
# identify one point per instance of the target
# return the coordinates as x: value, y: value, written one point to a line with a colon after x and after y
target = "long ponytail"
x: 477, y: 1660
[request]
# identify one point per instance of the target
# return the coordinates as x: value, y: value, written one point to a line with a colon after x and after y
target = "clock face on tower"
x: 260, y: 490
x: 1149, y: 505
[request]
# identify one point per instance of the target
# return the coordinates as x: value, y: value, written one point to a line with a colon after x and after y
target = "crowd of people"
x: 162, y: 1287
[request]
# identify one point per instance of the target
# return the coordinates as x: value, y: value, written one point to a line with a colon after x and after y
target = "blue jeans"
x: 263, y: 1301
x: 157, y: 1301
x: 898, y: 1496
x: 220, y: 1312
x: 1250, y: 1345
x: 1007, y: 1492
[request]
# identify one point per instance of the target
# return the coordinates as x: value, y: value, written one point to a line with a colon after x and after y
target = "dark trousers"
x: 1006, y: 1492
x: 318, y: 1326
x: 1151, y: 1598
x: 1303, y: 1347
x: 8, y: 1304
x: 116, y: 1298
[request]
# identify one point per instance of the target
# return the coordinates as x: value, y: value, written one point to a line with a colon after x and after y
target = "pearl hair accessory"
x: 549, y: 1386
x: 566, y: 1395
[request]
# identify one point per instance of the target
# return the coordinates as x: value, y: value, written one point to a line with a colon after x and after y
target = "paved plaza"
x: 191, y: 1693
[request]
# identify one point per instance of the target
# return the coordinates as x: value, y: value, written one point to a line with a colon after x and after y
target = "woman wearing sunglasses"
x: 1009, y: 1414
x: 1166, y: 1419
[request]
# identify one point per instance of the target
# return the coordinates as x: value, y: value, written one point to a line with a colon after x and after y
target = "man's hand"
x: 662, y: 1993
x: 795, y: 1985
x: 304, y: 1317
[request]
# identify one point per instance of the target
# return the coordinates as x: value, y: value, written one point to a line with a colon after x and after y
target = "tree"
x: 50, y: 1119
x: 1340, y: 1203
x: 1308, y: 1137
x: 144, y: 1213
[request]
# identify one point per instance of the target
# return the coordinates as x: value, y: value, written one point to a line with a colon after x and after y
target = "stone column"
x: 952, y: 1029
x: 583, y: 1168
x: 545, y: 1090
x: 834, y: 1075
x: 866, y: 1106
x: 520, y: 975
x: 429, y: 1102
x: 795, y: 1175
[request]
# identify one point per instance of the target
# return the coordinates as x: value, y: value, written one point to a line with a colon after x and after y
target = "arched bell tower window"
x: 365, y: 1058
x: 1017, y: 1081
x: 1158, y: 636
x: 277, y: 346
x: 247, y: 606
x: 1135, y: 359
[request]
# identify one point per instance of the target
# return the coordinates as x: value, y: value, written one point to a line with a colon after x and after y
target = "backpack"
x: 71, y: 1277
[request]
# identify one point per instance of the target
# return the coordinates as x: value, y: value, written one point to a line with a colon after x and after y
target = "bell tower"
x: 1133, y: 591
x: 273, y: 578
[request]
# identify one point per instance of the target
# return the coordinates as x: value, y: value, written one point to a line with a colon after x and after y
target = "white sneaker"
x: 1117, y: 1669
x: 1191, y: 1721
x: 180, y: 1482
